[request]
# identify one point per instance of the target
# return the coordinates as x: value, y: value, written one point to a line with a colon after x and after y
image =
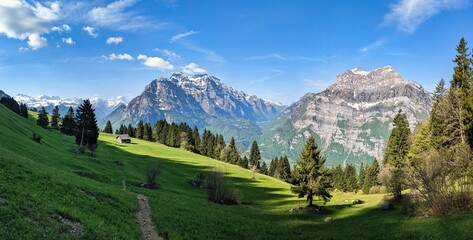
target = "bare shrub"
x: 152, y: 173
x: 219, y: 189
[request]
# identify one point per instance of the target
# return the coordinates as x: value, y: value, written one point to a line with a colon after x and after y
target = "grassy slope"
x: 41, y: 181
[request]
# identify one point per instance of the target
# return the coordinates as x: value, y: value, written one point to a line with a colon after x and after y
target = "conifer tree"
x: 147, y: 132
x: 255, y: 155
x: 129, y: 130
x: 283, y: 169
x: 361, y: 176
x: 272, y: 167
x: 108, y: 127
x: 140, y: 130
x: 349, y: 176
x: 87, y: 131
x: 42, y: 118
x: 219, y: 146
x: 69, y: 125
x: 196, y: 139
x: 462, y: 71
x: 396, y: 154
x: 337, y: 177
x: 264, y: 168
x: 243, y: 162
x: 310, y: 174
x: 55, y: 118
x: 371, y: 176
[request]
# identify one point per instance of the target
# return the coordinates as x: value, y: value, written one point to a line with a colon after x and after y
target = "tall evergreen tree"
x: 140, y: 130
x: 243, y: 162
x: 264, y: 168
x: 108, y: 128
x: 272, y: 167
x: 462, y: 71
x: 129, y: 130
x: 69, y: 125
x: 55, y: 118
x: 310, y: 174
x: 283, y: 169
x: 361, y: 175
x: 396, y: 154
x: 87, y: 131
x: 196, y: 139
x: 371, y: 176
x: 255, y: 155
x: 351, y: 181
x: 147, y: 134
x: 42, y: 118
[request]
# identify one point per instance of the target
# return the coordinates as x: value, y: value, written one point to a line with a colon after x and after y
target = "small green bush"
x: 219, y: 189
x: 36, y: 138
x: 152, y: 173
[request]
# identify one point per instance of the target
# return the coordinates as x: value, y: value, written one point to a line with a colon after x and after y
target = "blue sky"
x: 278, y: 50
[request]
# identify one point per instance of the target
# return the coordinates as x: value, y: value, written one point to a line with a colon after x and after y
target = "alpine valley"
x: 351, y: 119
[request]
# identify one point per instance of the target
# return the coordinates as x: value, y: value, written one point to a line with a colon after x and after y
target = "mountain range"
x: 351, y: 120
x: 102, y: 107
x: 200, y: 100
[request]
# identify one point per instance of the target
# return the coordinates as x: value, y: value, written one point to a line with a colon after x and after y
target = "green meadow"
x: 42, y: 183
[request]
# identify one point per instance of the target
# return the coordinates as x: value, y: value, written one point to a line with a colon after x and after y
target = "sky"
x: 277, y: 50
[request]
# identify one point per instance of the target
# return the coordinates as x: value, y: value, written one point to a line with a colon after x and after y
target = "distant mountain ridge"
x: 351, y: 119
x: 3, y: 94
x: 201, y: 100
x: 102, y: 107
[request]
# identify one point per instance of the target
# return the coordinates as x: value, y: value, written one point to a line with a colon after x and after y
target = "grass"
x: 43, y: 181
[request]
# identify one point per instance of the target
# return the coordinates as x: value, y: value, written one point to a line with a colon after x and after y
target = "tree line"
x: 13, y: 105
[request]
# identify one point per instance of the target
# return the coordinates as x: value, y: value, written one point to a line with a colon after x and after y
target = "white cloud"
x: 115, y: 15
x: 23, y: 49
x: 114, y: 56
x: 68, y: 41
x: 155, y: 62
x: 114, y: 40
x: 22, y: 20
x: 376, y: 44
x: 193, y: 68
x: 170, y: 55
x: 64, y: 28
x: 409, y: 14
x: 91, y: 31
x: 182, y: 35
x: 35, y: 41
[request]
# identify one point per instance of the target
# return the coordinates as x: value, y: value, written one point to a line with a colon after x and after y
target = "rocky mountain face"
x: 200, y: 100
x: 102, y: 107
x: 351, y: 120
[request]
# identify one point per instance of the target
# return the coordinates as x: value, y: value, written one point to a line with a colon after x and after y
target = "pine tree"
x: 371, y: 176
x: 108, y: 127
x: 462, y: 71
x: 140, y: 130
x: 243, y: 162
x: 272, y: 167
x: 440, y: 90
x: 196, y: 139
x: 55, y: 118
x: 147, y: 134
x: 396, y: 154
x: 349, y: 176
x: 361, y: 176
x: 283, y: 169
x: 69, y: 125
x: 264, y: 168
x: 233, y: 152
x: 129, y: 130
x: 255, y: 155
x: 310, y: 174
x: 42, y: 118
x: 87, y: 131
x: 219, y: 146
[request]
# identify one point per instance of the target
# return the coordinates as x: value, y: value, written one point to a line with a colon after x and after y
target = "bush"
x: 36, y: 138
x: 219, y: 189
x: 198, y: 181
x: 152, y: 173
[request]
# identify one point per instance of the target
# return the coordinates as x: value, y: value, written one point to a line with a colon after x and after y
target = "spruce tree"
x: 351, y: 181
x: 462, y: 71
x: 272, y: 167
x: 371, y: 176
x: 196, y: 139
x: 129, y: 130
x: 140, y: 130
x: 55, y: 118
x: 243, y: 162
x: 337, y: 177
x: 42, y: 118
x: 396, y: 154
x: 310, y: 174
x: 147, y: 134
x: 69, y: 125
x: 264, y: 168
x: 255, y: 155
x: 283, y: 169
x: 108, y: 128
x: 87, y: 131
x: 361, y: 175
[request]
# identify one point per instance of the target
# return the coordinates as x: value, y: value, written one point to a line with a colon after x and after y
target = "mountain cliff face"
x: 351, y: 120
x: 102, y: 107
x: 200, y: 100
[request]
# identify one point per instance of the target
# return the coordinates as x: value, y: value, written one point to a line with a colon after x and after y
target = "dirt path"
x: 143, y: 216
